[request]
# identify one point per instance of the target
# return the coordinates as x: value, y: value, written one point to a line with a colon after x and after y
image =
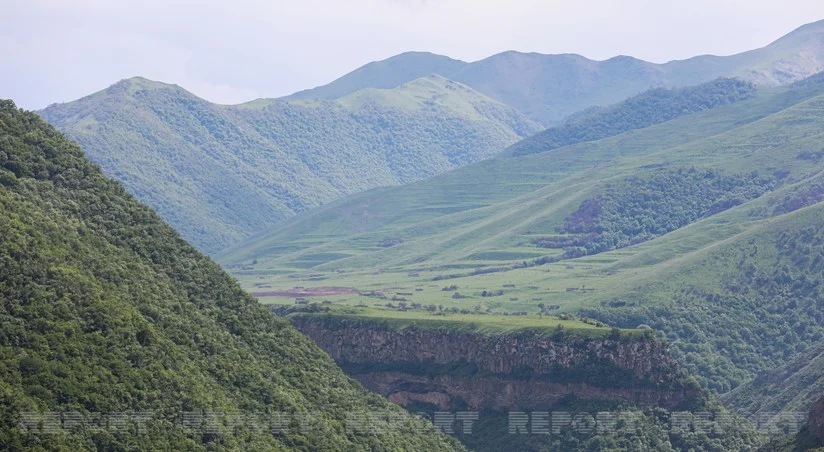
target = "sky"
x: 233, y: 51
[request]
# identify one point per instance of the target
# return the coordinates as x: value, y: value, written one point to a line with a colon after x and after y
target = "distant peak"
x: 143, y: 82
x: 817, y: 26
x: 419, y: 53
x: 806, y: 29
x: 130, y: 86
x: 618, y: 58
x: 413, y: 55
x: 516, y: 55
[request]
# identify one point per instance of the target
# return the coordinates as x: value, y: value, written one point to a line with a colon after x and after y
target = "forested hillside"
x: 640, y: 208
x: 549, y: 88
x: 106, y: 310
x: 741, y: 308
x: 650, y: 107
x: 219, y: 173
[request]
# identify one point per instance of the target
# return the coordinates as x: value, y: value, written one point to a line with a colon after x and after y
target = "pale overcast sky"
x: 233, y: 51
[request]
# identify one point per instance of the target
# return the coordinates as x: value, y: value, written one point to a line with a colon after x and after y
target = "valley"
x: 526, y: 252
x: 477, y: 240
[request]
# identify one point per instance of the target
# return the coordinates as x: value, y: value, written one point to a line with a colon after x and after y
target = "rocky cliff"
x: 519, y: 370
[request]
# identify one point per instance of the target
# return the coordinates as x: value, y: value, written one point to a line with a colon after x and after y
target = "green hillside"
x: 106, y: 310
x: 549, y: 88
x: 220, y: 173
x: 648, y: 108
x: 693, y: 226
x: 386, y: 74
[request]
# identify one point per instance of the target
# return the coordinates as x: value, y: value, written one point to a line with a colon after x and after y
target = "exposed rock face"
x: 501, y: 393
x: 512, y: 371
x: 816, y: 421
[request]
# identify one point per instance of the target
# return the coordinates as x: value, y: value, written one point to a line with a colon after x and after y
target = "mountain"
x: 648, y: 108
x: 107, y: 312
x: 549, y: 88
x: 219, y: 173
x: 386, y: 74
x: 704, y: 227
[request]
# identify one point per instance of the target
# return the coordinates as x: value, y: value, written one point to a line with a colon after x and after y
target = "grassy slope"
x: 452, y: 228
x: 499, y: 202
x: 474, y: 323
x: 220, y: 173
x: 551, y: 87
x: 648, y: 108
x: 105, y: 309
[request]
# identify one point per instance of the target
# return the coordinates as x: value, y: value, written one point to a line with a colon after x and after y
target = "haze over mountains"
x: 549, y: 88
x: 219, y: 173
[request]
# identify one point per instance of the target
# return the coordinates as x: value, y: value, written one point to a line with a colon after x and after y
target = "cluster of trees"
x: 105, y: 309
x: 643, y: 207
x: 651, y: 107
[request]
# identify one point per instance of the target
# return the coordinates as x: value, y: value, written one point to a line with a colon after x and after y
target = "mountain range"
x: 220, y: 173
x: 574, y: 207
x: 549, y: 88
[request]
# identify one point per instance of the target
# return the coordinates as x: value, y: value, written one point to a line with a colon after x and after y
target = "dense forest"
x: 646, y: 206
x: 219, y: 173
x: 105, y: 309
x: 648, y: 108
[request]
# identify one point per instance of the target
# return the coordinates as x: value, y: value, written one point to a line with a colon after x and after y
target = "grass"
x: 496, y: 204
x: 473, y: 323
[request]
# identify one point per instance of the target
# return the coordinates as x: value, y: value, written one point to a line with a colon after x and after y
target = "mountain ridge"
x: 218, y: 173
x: 563, y: 84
